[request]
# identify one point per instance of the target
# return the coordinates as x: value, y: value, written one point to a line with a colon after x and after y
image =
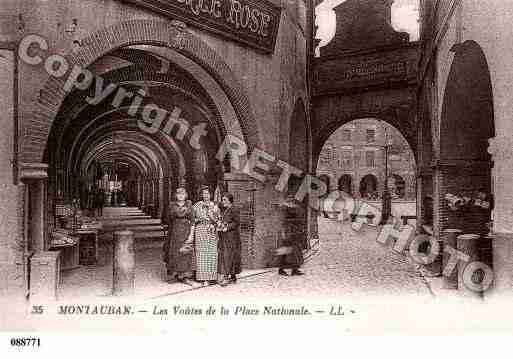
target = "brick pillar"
x: 146, y: 191
x: 198, y: 170
x: 139, y: 192
x: 44, y: 281
x: 424, y: 188
x: 37, y: 190
x: 243, y: 189
x: 411, y: 188
x: 166, y: 195
x: 13, y: 258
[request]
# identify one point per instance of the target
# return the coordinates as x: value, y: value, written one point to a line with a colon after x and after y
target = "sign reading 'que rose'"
x: 252, y: 22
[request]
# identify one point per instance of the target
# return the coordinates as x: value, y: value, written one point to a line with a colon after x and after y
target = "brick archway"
x: 395, y: 107
x: 464, y: 166
x: 128, y: 33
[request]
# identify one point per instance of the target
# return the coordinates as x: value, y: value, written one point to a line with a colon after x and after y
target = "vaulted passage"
x: 149, y: 121
x: 134, y: 128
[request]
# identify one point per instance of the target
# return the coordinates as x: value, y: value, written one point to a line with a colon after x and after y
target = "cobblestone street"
x: 346, y: 263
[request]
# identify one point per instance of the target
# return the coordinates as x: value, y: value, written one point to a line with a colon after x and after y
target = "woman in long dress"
x: 177, y: 250
x: 205, y: 218
x: 229, y: 246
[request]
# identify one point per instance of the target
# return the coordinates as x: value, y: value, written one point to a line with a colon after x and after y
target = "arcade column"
x: 424, y: 185
x: 43, y: 274
x: 244, y: 191
x: 199, y: 168
x: 262, y: 218
x: 501, y: 149
x: 34, y: 177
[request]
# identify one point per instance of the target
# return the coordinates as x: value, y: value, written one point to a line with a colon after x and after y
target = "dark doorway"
x: 369, y: 187
x: 345, y: 184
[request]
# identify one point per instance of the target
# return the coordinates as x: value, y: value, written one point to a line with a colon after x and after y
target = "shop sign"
x: 252, y: 22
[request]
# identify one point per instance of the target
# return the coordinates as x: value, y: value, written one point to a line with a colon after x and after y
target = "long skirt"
x: 292, y: 260
x: 178, y: 262
x: 229, y: 253
x: 205, y: 247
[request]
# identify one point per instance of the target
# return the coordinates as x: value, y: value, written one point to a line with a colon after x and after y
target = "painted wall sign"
x: 252, y: 22
x: 370, y: 69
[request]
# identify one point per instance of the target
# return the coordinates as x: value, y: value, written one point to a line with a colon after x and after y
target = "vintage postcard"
x: 343, y: 165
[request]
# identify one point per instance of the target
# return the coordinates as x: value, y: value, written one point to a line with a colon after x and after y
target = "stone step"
x: 157, y: 235
x: 131, y: 222
x: 131, y: 213
x: 148, y: 231
x: 122, y: 218
x: 122, y: 211
x: 108, y: 208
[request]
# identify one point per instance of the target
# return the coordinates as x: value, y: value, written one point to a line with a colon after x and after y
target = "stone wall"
x: 444, y: 28
x: 11, y: 195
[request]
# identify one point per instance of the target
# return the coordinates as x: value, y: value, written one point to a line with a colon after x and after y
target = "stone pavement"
x: 345, y: 263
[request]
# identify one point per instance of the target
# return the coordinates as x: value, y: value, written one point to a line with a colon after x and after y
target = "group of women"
x: 203, y: 242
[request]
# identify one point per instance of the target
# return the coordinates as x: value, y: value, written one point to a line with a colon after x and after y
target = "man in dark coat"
x: 290, y: 255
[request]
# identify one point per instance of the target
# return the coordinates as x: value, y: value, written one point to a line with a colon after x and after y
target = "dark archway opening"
x: 467, y: 123
x: 345, y: 184
x: 369, y: 187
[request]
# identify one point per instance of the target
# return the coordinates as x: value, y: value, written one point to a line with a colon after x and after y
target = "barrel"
x: 468, y: 244
x: 450, y: 235
x: 123, y: 282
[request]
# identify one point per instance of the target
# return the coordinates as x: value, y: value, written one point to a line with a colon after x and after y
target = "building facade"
x: 353, y: 160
